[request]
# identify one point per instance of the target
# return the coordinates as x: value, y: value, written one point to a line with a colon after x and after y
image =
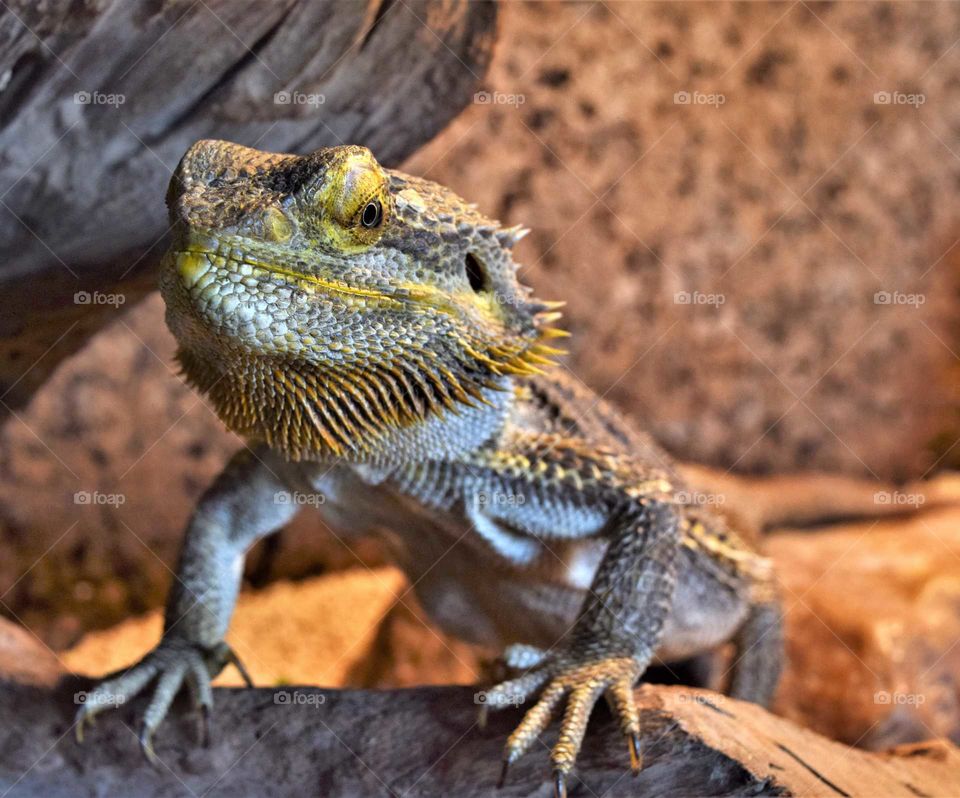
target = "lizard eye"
x: 476, y: 274
x: 372, y: 214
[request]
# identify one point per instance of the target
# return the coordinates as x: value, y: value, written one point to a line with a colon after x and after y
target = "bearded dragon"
x: 365, y: 332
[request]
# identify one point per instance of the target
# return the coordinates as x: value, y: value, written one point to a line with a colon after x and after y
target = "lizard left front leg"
x: 613, y: 639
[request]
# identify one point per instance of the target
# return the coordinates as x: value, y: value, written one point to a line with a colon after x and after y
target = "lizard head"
x: 325, y: 303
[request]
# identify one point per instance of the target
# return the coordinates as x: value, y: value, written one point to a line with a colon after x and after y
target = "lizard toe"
x: 624, y: 706
x: 112, y: 692
x: 534, y: 723
x: 581, y: 684
x: 173, y: 665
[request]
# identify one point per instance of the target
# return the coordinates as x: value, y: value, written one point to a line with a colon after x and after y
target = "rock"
x: 873, y: 624
x: 426, y: 742
x: 317, y: 631
x: 409, y: 650
x: 767, y: 283
x: 24, y: 659
x: 764, y: 503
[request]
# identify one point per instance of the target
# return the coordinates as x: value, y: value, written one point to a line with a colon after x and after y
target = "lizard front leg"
x: 239, y: 508
x: 618, y: 629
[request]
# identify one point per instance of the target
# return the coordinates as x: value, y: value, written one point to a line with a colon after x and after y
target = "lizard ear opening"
x: 372, y: 214
x: 476, y: 273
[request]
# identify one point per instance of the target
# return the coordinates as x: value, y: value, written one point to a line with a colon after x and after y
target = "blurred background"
x: 751, y: 209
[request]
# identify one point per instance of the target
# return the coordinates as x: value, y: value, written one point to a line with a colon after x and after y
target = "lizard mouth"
x: 204, y: 259
x: 208, y: 259
x: 199, y: 264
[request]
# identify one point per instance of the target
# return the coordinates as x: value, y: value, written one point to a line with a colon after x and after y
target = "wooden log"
x: 425, y: 742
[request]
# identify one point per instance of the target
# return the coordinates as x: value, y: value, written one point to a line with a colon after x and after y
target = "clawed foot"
x: 579, y: 680
x: 171, y: 664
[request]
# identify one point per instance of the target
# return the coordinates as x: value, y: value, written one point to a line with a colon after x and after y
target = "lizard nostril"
x: 476, y: 274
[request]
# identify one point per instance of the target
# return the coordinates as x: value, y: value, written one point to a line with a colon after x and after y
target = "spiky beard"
x: 310, y: 412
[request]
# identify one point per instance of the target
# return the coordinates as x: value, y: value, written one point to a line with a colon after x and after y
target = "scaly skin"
x: 365, y: 331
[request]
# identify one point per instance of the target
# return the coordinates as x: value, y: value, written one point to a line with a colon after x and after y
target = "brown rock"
x: 873, y: 624
x: 25, y: 659
x: 794, y: 202
x: 409, y: 651
x: 313, y: 632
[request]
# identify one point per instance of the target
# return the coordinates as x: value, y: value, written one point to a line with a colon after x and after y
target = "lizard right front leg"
x: 244, y: 504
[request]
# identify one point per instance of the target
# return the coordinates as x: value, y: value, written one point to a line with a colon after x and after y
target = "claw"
x: 636, y: 756
x: 146, y: 746
x: 559, y: 784
x: 580, y: 684
x: 234, y: 660
x: 203, y: 726
x: 81, y: 721
x: 503, y: 774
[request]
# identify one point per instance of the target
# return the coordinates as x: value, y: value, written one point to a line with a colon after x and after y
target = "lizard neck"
x: 444, y: 435
x: 309, y: 413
